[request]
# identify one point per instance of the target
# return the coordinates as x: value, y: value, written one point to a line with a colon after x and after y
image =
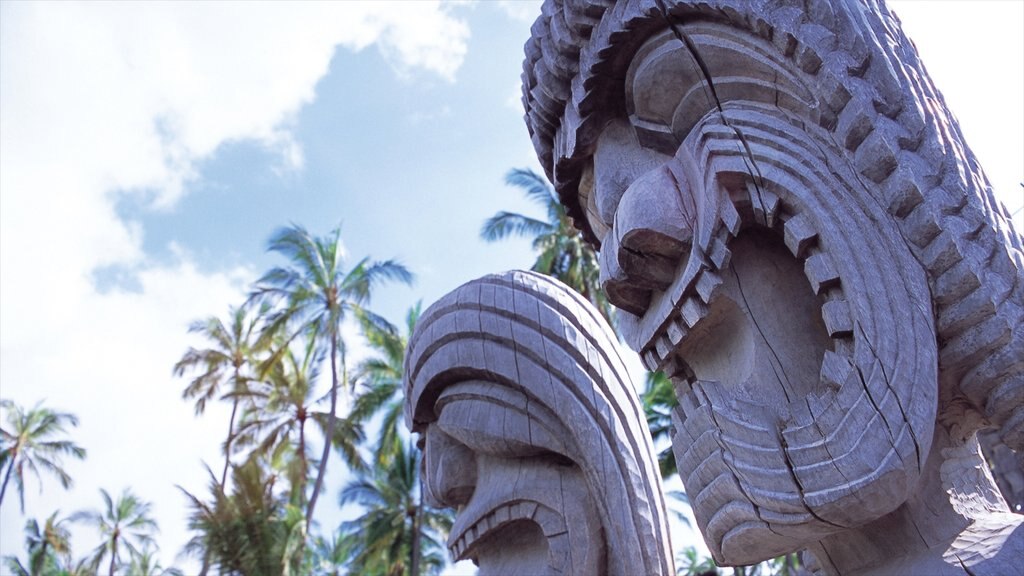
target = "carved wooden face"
x: 756, y: 269
x: 523, y: 505
x: 533, y: 432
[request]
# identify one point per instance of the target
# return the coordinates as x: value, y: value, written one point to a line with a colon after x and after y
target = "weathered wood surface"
x: 533, y: 431
x: 796, y: 232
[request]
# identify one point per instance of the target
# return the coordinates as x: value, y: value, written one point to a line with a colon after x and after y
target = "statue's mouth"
x: 757, y: 338
x: 473, y: 528
x: 529, y: 513
x: 755, y: 217
x: 795, y: 395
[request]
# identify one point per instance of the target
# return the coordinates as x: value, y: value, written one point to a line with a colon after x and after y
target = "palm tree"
x: 318, y: 293
x: 228, y: 362
x: 280, y: 406
x: 330, y: 556
x: 563, y: 253
x: 124, y: 524
x: 45, y: 548
x: 381, y: 376
x: 397, y: 534
x: 31, y: 441
x: 251, y: 530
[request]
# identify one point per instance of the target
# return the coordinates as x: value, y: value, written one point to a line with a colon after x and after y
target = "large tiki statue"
x: 531, y: 428
x: 797, y: 234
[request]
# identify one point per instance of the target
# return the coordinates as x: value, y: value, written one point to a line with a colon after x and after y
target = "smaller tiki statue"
x: 798, y: 236
x: 531, y: 428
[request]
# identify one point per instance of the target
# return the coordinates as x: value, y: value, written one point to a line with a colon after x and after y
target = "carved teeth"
x: 489, y: 522
x: 706, y: 285
x: 821, y: 272
x: 676, y: 332
x: 719, y: 254
x: 693, y: 310
x: 650, y: 360
x: 836, y: 314
x: 799, y: 235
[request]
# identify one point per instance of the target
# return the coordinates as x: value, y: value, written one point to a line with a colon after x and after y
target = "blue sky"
x: 148, y: 150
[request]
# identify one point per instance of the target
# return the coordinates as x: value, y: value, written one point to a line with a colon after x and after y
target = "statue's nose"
x: 449, y: 470
x: 652, y: 232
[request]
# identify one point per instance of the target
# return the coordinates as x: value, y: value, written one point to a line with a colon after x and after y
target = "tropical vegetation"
x: 316, y: 294
x: 125, y: 526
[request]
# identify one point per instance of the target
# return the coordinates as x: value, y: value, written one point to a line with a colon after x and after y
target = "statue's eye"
x: 498, y: 426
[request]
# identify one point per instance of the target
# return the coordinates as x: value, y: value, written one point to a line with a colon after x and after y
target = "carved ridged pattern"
x: 944, y: 208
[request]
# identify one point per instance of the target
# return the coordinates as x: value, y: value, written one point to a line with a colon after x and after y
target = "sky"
x: 148, y: 150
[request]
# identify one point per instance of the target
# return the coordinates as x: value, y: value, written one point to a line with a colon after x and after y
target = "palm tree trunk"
x: 305, y: 466
x: 330, y: 429
x: 38, y: 569
x: 7, y: 476
x: 231, y: 434
x: 113, y: 555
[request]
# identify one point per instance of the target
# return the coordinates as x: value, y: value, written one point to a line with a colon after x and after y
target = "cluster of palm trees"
x: 267, y: 362
x: 34, y: 439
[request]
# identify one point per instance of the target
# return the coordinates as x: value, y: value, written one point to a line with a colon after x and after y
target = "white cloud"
x: 104, y: 100
x: 525, y: 10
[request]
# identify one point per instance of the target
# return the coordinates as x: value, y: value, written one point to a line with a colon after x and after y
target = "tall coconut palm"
x: 124, y: 524
x: 280, y: 406
x: 318, y: 294
x: 397, y: 534
x: 562, y: 252
x: 48, y: 548
x: 229, y: 363
x: 32, y: 441
x: 381, y: 377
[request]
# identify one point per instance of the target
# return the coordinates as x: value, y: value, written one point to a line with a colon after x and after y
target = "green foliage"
x: 146, y: 564
x: 32, y: 441
x: 250, y: 531
x: 395, y: 518
x: 273, y: 425
x: 690, y: 563
x: 48, y: 548
x: 381, y: 377
x: 659, y: 399
x: 330, y: 557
